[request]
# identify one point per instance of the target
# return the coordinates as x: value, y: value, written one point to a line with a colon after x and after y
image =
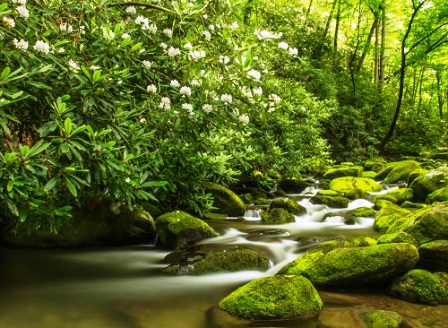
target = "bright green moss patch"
x: 383, y: 319
x: 274, y: 298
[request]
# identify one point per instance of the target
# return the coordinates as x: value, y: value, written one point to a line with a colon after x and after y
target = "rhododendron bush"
x: 140, y: 102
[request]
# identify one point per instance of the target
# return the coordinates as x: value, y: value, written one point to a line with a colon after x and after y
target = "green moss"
x: 350, y: 183
x: 262, y: 201
x: 288, y: 204
x: 343, y: 171
x: 401, y: 171
x: 331, y: 201
x: 179, y: 229
x: 419, y: 286
x: 278, y: 216
x: 274, y: 298
x: 429, y: 182
x: 398, y: 237
x: 434, y: 256
x: 229, y: 260
x: 412, y: 205
x: 415, y: 174
x: 440, y: 195
x: 375, y: 163
x: 328, y: 193
x: 396, y: 196
x: 383, y: 319
x: 354, y: 266
x: 388, y: 216
x: 362, y: 212
x: 226, y: 201
x: 214, y: 216
x: 369, y: 174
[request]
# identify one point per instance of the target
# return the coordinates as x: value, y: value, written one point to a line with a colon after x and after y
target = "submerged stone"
x: 383, y: 319
x: 225, y: 200
x: 274, y: 298
x: 203, y: 260
x: 354, y: 266
x: 420, y: 286
x: 278, y: 216
x: 288, y: 204
x: 179, y: 229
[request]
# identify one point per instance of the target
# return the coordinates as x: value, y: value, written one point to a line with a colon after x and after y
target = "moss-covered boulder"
x: 414, y: 175
x: 203, y: 260
x: 427, y: 183
x: 348, y: 185
x: 331, y: 198
x: 383, y: 319
x: 289, y: 204
x: 362, y: 212
x: 277, y: 216
x: 401, y: 171
x: 398, y: 237
x: 412, y: 205
x: 179, y: 229
x: 293, y: 186
x: 425, y: 225
x: 434, y: 256
x: 420, y: 286
x: 369, y: 174
x: 225, y: 200
x: 274, y: 298
x: 343, y: 171
x: 440, y: 195
x: 93, y: 225
x: 354, y: 266
x: 396, y: 196
x: 387, y: 216
x: 376, y: 163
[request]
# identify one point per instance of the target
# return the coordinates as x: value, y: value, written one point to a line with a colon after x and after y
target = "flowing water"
x: 123, y: 287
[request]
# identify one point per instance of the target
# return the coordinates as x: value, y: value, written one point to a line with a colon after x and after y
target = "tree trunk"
x: 327, y: 24
x: 382, y: 65
x: 309, y: 10
x: 367, y: 45
x: 439, y: 93
x: 336, y: 29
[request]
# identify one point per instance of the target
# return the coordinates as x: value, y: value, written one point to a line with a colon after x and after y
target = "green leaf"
x: 3, y: 6
x: 10, y: 186
x: 25, y: 150
x: 136, y: 46
x: 86, y: 72
x: 68, y: 125
x: 5, y: 73
x: 71, y: 187
x: 65, y: 148
x: 51, y: 184
x: 154, y: 184
x: 38, y: 148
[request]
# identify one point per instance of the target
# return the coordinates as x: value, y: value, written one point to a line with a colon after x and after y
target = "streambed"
x: 123, y: 286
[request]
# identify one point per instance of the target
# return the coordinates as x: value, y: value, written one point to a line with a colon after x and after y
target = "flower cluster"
x: 21, y: 45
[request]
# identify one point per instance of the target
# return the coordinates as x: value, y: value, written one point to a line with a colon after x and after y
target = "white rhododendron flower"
x: 73, y: 65
x: 151, y: 88
x: 42, y: 46
x: 226, y: 98
x: 131, y: 10
x: 9, y: 22
x: 197, y: 54
x: 244, y: 119
x: 293, y: 51
x: 21, y: 45
x: 256, y: 75
x: 23, y: 12
x: 172, y: 52
x: 266, y: 35
x: 207, y: 108
x: 207, y: 35
x: 283, y: 45
x: 185, y: 91
x: 94, y: 67
x: 147, y: 64
x: 188, y: 107
x: 165, y: 103
x: 224, y: 59
x: 257, y: 91
x: 276, y: 99
x: 168, y: 32
x: 175, y: 83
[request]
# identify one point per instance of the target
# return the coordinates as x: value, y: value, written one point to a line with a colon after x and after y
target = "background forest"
x: 142, y: 101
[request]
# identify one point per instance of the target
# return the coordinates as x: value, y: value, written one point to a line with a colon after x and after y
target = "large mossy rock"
x: 354, y: 266
x: 225, y: 200
x: 401, y: 171
x: 289, y: 204
x: 204, y: 260
x: 426, y: 184
x: 387, y: 216
x: 396, y: 196
x: 353, y: 186
x: 94, y: 225
x: 421, y: 286
x: 293, y: 186
x: 278, y: 216
x: 375, y: 163
x: 383, y: 319
x: 425, y: 225
x: 331, y: 198
x: 343, y: 171
x: 179, y: 229
x: 440, y: 195
x: 283, y: 297
x: 399, y: 237
x: 434, y: 256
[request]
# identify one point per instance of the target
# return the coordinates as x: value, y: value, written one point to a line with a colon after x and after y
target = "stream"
x: 124, y: 287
